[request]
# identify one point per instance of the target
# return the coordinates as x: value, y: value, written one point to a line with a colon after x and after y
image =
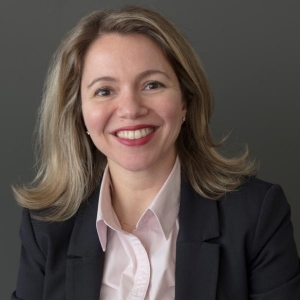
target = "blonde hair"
x: 70, y: 166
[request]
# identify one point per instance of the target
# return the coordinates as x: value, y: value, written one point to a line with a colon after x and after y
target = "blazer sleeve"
x: 30, y: 283
x: 274, y: 267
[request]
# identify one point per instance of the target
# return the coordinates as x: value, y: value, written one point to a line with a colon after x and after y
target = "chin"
x: 136, y: 166
x: 135, y: 163
x: 139, y: 162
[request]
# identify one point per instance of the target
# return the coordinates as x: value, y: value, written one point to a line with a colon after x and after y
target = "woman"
x: 132, y: 200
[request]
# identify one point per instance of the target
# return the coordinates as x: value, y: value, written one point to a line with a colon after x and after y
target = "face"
x: 131, y: 102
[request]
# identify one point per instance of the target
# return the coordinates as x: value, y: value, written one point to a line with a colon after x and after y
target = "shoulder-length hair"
x: 70, y: 166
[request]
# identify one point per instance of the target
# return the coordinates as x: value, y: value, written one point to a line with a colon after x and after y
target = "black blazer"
x: 238, y: 248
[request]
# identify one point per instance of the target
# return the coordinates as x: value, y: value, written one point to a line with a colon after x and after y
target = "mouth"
x: 134, y: 134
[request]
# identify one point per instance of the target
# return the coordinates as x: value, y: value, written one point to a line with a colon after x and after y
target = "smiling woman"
x: 136, y: 121
x: 132, y: 199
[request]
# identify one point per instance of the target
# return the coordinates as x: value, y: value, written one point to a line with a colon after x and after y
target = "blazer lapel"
x: 197, y: 257
x: 85, y: 257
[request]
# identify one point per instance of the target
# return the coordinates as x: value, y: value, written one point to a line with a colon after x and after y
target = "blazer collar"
x: 197, y: 256
x: 85, y: 258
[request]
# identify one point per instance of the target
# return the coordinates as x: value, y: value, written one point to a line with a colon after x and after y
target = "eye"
x: 153, y: 85
x: 103, y: 92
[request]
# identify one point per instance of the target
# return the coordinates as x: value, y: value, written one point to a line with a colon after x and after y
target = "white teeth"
x: 131, y: 135
x: 137, y: 134
x: 134, y: 134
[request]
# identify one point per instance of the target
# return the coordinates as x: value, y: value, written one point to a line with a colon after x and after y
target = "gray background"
x: 250, y: 50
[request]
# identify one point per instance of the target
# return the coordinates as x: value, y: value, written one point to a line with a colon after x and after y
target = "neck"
x: 133, y: 192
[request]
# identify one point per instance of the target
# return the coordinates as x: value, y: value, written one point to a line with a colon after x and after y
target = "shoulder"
x: 39, y: 236
x: 252, y: 187
x: 253, y: 195
x: 45, y: 236
x: 254, y: 204
x: 256, y: 213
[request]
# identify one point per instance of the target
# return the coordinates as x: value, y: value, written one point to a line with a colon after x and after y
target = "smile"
x: 134, y: 134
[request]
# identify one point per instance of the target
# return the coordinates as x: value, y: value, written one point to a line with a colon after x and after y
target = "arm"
x: 30, y: 283
x: 274, y: 272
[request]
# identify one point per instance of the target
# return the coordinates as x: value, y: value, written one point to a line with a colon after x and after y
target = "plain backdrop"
x: 250, y: 50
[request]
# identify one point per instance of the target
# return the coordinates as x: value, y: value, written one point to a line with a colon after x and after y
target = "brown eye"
x: 153, y: 85
x: 104, y: 92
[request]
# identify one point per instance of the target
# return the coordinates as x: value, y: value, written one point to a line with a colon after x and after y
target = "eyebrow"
x: 139, y: 77
x: 104, y: 78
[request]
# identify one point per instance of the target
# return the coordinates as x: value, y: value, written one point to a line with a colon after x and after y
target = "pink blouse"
x: 140, y: 265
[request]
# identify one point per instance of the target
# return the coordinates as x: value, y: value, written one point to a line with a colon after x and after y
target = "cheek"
x: 172, y: 113
x: 172, y: 106
x: 94, y: 119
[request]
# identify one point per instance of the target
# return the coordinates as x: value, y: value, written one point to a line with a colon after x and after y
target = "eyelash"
x: 104, y: 89
x: 159, y: 85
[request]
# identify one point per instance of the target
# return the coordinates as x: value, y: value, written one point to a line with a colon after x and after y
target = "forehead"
x: 109, y: 41
x: 117, y: 50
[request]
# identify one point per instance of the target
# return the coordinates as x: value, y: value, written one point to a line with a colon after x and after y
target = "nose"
x: 131, y: 106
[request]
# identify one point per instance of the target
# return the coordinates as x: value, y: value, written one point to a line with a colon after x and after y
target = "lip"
x: 135, y: 142
x: 135, y: 127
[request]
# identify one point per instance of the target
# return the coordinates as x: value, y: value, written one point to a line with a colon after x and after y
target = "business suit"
x: 240, y: 247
